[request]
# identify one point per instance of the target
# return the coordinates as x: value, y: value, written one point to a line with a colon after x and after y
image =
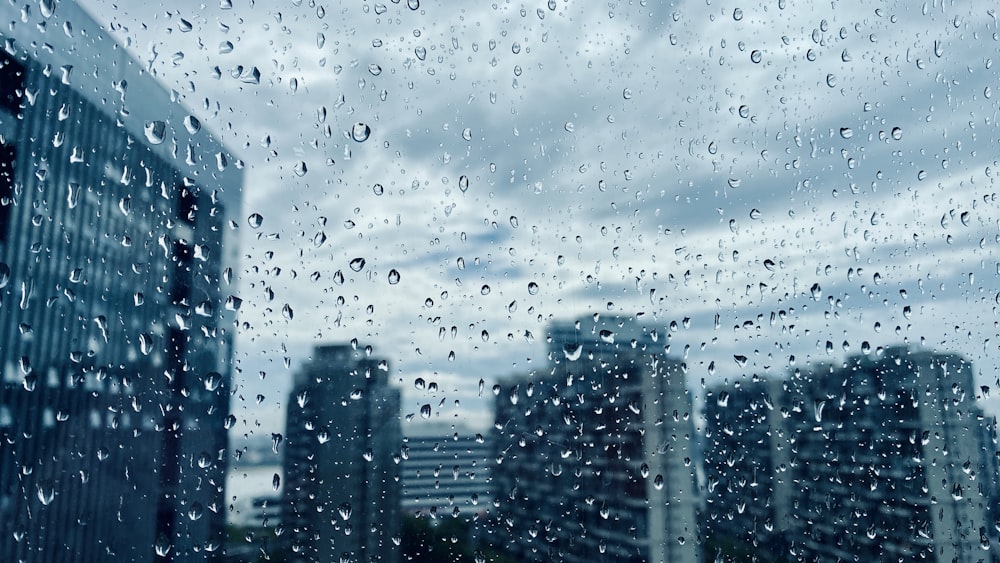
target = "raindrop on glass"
x: 360, y: 132
x: 156, y: 132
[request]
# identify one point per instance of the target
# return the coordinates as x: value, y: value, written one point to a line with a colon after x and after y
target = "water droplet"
x: 393, y: 276
x: 4, y: 274
x: 735, y: 182
x: 737, y: 14
x: 378, y: 189
x: 627, y: 93
x: 485, y: 290
x: 569, y: 127
x: 897, y: 133
x: 374, y: 69
x: 276, y: 482
x: 156, y: 132
x: 413, y: 4
x: 425, y: 411
x: 607, y: 336
x: 360, y: 132
x: 846, y: 132
x: 357, y: 264
x: 419, y: 383
x: 421, y: 53
x: 467, y: 134
x: 212, y: 381
x: 831, y: 80
x: 572, y: 351
x: 756, y: 56
x: 300, y: 169
x: 162, y: 546
x: 46, y: 493
x: 463, y: 183
x: 195, y: 511
x: 323, y: 436
x: 73, y: 194
x: 286, y: 311
x: 816, y: 291
x: 192, y: 124
x: 229, y: 422
x: 47, y: 8
x: 532, y: 288
x: 145, y: 343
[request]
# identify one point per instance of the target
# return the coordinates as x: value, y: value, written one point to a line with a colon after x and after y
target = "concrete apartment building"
x: 593, y: 452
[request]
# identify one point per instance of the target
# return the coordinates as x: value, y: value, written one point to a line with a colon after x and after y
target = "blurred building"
x: 748, y: 477
x: 448, y: 475
x: 593, y: 454
x: 115, y: 344
x: 341, y: 459
x: 891, y: 460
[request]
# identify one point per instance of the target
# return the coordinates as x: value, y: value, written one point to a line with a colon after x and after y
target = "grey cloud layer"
x: 692, y: 150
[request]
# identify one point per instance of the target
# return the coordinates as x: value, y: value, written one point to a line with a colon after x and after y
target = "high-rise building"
x: 748, y: 477
x: 890, y: 460
x: 446, y: 475
x: 593, y: 454
x: 115, y: 345
x: 342, y: 450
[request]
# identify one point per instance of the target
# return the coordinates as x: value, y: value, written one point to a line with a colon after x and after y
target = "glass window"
x: 403, y: 280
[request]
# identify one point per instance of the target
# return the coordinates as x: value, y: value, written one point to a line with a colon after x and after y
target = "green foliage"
x: 445, y: 540
x: 254, y: 545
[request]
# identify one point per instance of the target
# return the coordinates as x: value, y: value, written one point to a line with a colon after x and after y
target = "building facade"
x: 888, y: 458
x: 593, y: 455
x: 342, y: 451
x: 748, y: 472
x: 446, y: 476
x: 115, y: 344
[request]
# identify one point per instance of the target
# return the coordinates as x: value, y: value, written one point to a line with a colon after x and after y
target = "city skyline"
x: 774, y: 187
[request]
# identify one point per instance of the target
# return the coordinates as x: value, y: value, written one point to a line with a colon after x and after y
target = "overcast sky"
x: 830, y: 165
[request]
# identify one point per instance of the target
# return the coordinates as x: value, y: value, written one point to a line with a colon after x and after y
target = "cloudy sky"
x: 785, y: 180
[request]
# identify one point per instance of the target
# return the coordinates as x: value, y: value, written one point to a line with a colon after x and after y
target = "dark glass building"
x: 115, y: 341
x: 342, y: 454
x: 594, y: 455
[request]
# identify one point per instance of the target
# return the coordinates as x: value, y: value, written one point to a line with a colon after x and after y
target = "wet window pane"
x: 410, y: 281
